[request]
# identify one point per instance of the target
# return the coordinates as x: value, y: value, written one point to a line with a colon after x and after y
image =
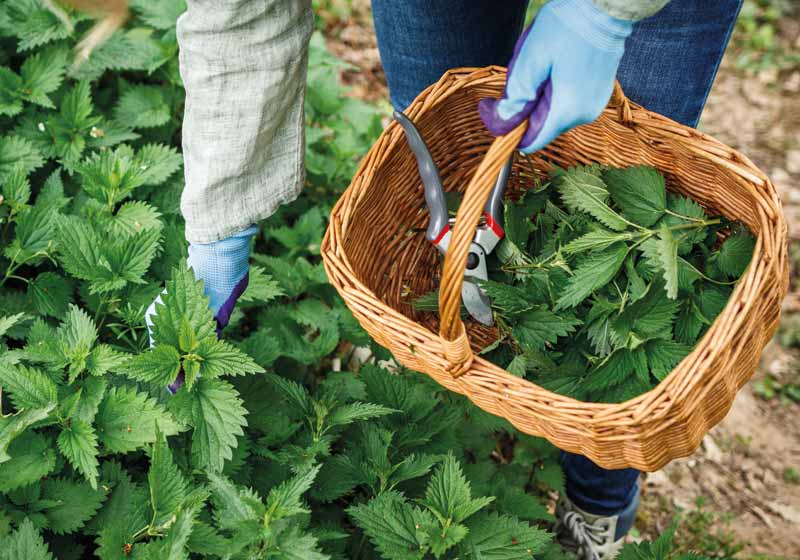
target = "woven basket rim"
x: 657, y: 404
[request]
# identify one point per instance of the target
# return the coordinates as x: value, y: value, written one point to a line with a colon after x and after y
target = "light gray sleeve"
x: 243, y: 64
x: 631, y: 9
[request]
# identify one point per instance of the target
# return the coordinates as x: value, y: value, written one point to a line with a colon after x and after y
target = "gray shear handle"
x: 434, y: 191
x: 494, y: 204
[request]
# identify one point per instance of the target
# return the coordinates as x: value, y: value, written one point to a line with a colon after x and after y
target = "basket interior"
x: 385, y: 240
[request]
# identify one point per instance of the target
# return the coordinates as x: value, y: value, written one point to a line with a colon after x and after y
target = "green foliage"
x: 758, y: 44
x: 611, y: 281
x: 265, y: 452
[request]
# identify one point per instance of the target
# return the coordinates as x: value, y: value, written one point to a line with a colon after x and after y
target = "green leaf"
x: 76, y: 106
x: 639, y: 192
x: 688, y: 323
x: 110, y: 176
x: 78, y: 443
x: 612, y: 372
x: 501, y: 537
x: 218, y: 358
x: 17, y: 152
x: 32, y: 457
x: 392, y: 526
x: 261, y: 288
x: 161, y: 15
x: 17, y: 190
x: 448, y: 494
x: 184, y: 299
x: 156, y: 163
x: 134, y: 217
x: 664, y: 355
x: 685, y: 211
x: 735, y: 254
x: 92, y: 390
x: 13, y: 425
x: 356, y: 412
x: 103, y: 359
x: 218, y: 418
x: 126, y: 420
x: 29, y: 387
x: 24, y: 543
x: 233, y: 507
x: 168, y: 487
x: 159, y: 366
x: 512, y: 300
x: 205, y: 540
x: 76, y: 336
x: 142, y: 107
x: 42, y: 74
x: 539, y: 327
x: 285, y: 499
x: 51, y: 294
x: 39, y: 27
x: 80, y: 249
x: 593, y: 273
x: 413, y: 466
x: 596, y: 240
x: 70, y: 504
x: 295, y: 393
x: 583, y: 190
x: 8, y: 321
x: 10, y: 98
x: 662, y: 252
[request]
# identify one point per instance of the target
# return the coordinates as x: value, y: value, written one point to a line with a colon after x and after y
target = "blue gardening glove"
x: 562, y: 72
x: 223, y: 267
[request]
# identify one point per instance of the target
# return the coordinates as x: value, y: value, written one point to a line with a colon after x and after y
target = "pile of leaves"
x: 277, y: 446
x: 605, y: 281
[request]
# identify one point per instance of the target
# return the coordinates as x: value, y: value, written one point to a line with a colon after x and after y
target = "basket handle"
x: 453, y: 335
x: 455, y: 343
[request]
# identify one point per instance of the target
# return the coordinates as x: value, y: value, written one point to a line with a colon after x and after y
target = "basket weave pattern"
x: 376, y: 256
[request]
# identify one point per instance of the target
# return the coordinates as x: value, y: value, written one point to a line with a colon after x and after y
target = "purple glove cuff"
x: 226, y: 309
x: 535, y: 111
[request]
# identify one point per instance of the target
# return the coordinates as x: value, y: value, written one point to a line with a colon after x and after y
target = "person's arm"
x: 563, y: 69
x: 243, y: 65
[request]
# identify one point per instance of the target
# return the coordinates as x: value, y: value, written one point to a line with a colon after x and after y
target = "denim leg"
x: 669, y: 66
x: 671, y: 58
x: 419, y: 40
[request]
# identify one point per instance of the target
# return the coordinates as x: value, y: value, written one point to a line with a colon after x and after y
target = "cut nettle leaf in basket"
x: 609, y: 281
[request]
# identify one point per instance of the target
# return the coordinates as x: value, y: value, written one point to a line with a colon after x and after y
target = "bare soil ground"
x: 740, y: 467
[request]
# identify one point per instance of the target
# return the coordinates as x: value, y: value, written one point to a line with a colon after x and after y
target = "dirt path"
x: 740, y: 468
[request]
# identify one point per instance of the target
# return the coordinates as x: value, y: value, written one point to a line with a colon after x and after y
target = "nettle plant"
x: 269, y: 450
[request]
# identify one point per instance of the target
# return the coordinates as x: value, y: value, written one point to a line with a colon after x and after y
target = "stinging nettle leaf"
x: 126, y: 420
x: 735, y: 253
x: 25, y: 542
x: 168, y: 487
x: 583, y: 190
x: 639, y: 192
x: 78, y: 443
x: 593, y: 273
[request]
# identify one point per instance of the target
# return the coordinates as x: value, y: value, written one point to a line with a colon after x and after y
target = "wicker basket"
x: 375, y: 254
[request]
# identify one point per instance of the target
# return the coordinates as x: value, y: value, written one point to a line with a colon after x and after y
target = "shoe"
x: 592, y: 537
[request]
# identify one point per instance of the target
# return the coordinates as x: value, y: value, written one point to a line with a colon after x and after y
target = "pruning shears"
x: 487, y: 236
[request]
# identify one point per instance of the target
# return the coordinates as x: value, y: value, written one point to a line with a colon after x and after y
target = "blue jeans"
x: 669, y: 66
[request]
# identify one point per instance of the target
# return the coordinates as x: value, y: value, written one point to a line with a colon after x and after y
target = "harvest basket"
x: 375, y: 254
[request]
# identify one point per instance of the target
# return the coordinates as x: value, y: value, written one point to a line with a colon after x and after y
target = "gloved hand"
x: 223, y: 267
x: 562, y: 72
